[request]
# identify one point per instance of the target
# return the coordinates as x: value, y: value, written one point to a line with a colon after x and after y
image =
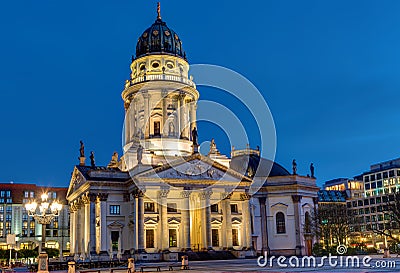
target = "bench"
x: 150, y: 267
x: 171, y: 267
x: 112, y: 270
x: 90, y: 271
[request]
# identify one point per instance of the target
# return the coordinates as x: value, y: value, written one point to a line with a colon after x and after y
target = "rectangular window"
x: 366, y: 202
x: 8, y: 193
x: 26, y: 194
x: 173, y: 242
x: 149, y: 207
x: 214, y: 208
x: 171, y: 208
x: 235, y: 237
x: 360, y: 203
x: 214, y: 237
x: 157, y: 128
x: 379, y: 183
x: 385, y: 175
x: 115, y: 210
x: 373, y: 185
x: 149, y: 238
x: 367, y: 186
x: 372, y: 201
x: 32, y: 194
x: 114, y: 240
x: 379, y: 176
x: 234, y: 208
x: 378, y: 200
x: 366, y: 178
x: 391, y: 173
x: 372, y: 177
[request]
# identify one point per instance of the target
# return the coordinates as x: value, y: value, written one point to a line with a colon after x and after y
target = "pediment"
x: 77, y: 179
x: 279, y: 204
x: 196, y: 167
x: 216, y: 221
x: 174, y: 220
x: 236, y: 220
x: 150, y: 220
x: 116, y: 225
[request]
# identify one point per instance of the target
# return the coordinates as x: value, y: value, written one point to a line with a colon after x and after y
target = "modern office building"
x: 14, y: 218
x: 369, y: 207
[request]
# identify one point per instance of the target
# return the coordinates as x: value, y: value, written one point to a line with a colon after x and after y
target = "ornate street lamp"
x: 43, y: 212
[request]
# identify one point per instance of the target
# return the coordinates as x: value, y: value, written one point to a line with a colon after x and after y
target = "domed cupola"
x: 159, y: 39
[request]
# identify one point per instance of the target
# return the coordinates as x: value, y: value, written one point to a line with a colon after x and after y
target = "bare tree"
x: 331, y: 223
x: 389, y: 226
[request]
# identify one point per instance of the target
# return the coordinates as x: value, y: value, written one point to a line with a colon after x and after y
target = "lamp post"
x: 43, y: 212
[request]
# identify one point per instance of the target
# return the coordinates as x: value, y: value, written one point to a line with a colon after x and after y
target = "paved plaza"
x: 250, y: 265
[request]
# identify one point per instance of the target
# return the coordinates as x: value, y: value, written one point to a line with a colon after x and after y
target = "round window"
x: 155, y: 64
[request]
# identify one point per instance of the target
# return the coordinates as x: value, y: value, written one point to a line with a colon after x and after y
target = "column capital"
x: 102, y: 196
x: 146, y: 95
x: 226, y: 195
x: 205, y: 194
x: 186, y: 193
x: 85, y: 199
x: 163, y: 193
x: 138, y: 193
x: 296, y: 198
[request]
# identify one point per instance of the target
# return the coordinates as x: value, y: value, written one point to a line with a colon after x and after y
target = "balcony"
x: 160, y: 77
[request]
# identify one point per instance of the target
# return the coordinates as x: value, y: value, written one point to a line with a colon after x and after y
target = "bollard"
x: 131, y: 265
x: 71, y: 267
x: 185, y: 262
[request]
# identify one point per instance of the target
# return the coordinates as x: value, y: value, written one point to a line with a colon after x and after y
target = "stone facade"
x: 165, y: 196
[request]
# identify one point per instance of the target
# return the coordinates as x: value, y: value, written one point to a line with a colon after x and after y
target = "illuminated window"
x: 173, y: 241
x: 115, y: 210
x: 149, y: 207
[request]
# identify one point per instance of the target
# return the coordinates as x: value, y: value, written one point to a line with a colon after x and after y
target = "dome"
x: 253, y: 165
x: 159, y: 39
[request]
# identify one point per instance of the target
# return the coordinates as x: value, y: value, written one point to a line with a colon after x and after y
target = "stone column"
x: 264, y: 224
x: 104, y: 244
x: 92, y: 214
x: 206, y: 216
x: 246, y: 219
x: 86, y: 222
x: 182, y: 115
x: 127, y: 123
x: 185, y: 194
x: 193, y: 117
x: 227, y: 218
x: 72, y: 228
x: 297, y: 220
x: 164, y: 232
x: 136, y: 117
x: 146, y: 121
x: 164, y: 113
x: 140, y: 224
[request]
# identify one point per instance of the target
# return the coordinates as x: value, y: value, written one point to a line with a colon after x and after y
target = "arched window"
x: 280, y: 223
x: 307, y: 222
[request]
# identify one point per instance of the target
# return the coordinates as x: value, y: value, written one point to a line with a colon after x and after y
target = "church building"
x: 163, y: 198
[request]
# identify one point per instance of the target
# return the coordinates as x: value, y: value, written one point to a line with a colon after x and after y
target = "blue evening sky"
x: 329, y: 71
